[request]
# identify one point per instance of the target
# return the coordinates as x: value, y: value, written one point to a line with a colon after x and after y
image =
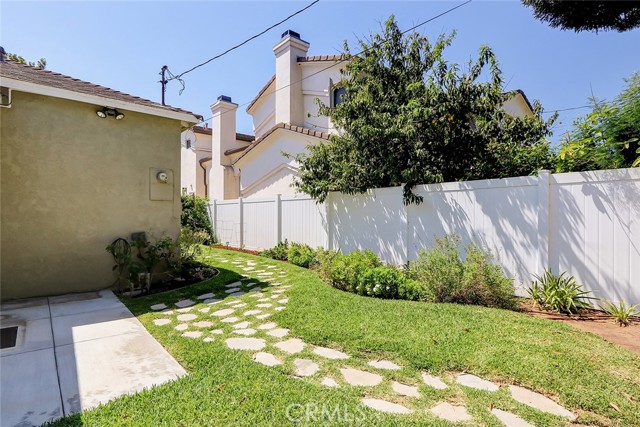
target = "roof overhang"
x: 21, y: 86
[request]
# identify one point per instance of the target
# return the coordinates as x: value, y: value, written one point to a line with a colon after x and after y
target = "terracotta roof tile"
x: 26, y: 73
x: 239, y: 136
x: 298, y: 129
x: 318, y: 58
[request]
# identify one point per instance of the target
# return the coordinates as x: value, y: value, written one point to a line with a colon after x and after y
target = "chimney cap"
x: 291, y: 33
x: 224, y: 98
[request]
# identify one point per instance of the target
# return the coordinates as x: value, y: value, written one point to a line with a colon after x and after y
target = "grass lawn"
x: 582, y: 372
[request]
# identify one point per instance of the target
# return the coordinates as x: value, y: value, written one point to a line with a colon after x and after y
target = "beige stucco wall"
x: 70, y: 184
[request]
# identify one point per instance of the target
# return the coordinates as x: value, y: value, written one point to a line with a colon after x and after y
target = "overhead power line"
x: 177, y: 77
x: 551, y: 110
x: 347, y: 58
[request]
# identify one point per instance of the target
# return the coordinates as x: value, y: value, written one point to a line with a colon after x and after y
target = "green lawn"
x: 225, y: 387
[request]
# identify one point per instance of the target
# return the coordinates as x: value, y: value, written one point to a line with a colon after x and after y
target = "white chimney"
x: 223, y: 138
x: 289, y: 99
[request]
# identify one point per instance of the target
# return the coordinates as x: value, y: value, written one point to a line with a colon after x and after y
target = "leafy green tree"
x: 410, y: 117
x: 607, y: 137
x: 587, y: 15
x: 41, y: 64
x: 195, y: 216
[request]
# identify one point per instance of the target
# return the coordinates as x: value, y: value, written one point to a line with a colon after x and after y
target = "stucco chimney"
x: 223, y: 137
x: 289, y: 99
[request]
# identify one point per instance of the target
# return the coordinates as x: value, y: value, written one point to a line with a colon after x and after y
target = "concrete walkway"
x: 72, y: 353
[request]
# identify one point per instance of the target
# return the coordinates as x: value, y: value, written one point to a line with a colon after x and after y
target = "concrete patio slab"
x: 86, y: 302
x: 32, y: 335
x: 28, y: 309
x: 91, y: 325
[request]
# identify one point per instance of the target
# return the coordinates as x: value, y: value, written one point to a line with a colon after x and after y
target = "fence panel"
x: 260, y: 223
x: 227, y: 222
x: 304, y: 221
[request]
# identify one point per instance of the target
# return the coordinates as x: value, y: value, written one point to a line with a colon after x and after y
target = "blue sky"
x: 124, y: 44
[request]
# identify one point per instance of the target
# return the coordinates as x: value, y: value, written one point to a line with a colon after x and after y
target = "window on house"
x: 338, y: 95
x: 188, y: 143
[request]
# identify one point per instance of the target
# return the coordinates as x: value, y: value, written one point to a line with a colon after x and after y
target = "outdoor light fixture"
x: 106, y: 111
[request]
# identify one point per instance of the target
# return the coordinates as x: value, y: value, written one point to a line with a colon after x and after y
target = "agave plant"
x: 559, y: 293
x: 621, y: 312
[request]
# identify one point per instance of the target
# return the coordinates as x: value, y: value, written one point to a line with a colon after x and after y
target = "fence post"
x: 241, y: 215
x: 278, y: 219
x: 544, y: 202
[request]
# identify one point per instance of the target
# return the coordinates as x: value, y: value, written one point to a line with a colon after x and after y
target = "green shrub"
x: 324, y: 263
x: 411, y: 290
x: 195, y: 216
x: 279, y: 251
x: 301, y: 255
x: 559, y: 293
x: 381, y: 282
x: 444, y: 277
x: 347, y: 270
x: 621, y: 312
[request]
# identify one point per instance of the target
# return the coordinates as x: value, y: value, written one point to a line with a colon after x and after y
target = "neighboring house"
x: 285, y: 120
x: 196, y: 158
x: 73, y: 181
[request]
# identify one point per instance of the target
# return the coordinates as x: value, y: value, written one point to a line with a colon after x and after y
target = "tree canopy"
x: 587, y: 15
x: 41, y: 64
x: 410, y: 117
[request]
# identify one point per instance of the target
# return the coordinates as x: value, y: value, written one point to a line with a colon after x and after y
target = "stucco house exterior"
x: 81, y: 165
x: 285, y: 120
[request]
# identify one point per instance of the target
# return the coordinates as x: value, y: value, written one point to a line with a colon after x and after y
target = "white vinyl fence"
x: 587, y: 224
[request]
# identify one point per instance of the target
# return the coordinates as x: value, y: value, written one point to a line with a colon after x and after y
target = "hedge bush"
x: 195, y: 216
x: 279, y: 251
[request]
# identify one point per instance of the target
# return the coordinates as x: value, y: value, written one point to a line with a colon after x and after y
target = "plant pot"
x: 144, y: 281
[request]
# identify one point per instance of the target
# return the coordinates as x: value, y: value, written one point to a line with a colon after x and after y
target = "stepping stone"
x: 182, y: 327
x: 186, y: 317
x: 161, y: 322
x: 433, y: 381
x: 291, y: 346
x: 192, y: 334
x: 280, y: 308
x: 266, y: 326
x: 208, y: 339
x: 251, y: 263
x: 271, y: 266
x: 204, y: 310
x: 266, y: 273
x: 384, y: 364
x: 478, y: 383
x: 252, y: 312
x: 248, y: 269
x: 263, y: 316
x: 184, y: 310
x: 157, y: 307
x: 248, y: 331
x: 274, y: 296
x: 203, y: 324
x: 240, y: 305
x: 167, y: 312
x: 217, y: 331
x: 211, y: 301
x: 539, y: 402
x: 283, y: 301
x: 264, y: 305
x: 206, y: 296
x: 241, y: 325
x: 256, y: 289
x: 223, y: 312
x: 360, y: 378
x: 233, y: 285
x: 405, y: 390
x: 263, y: 300
x: 305, y: 367
x: 278, y: 333
x: 235, y: 301
x: 329, y: 382
x: 330, y: 353
x: 267, y: 359
x: 451, y: 413
x: 274, y: 284
x: 258, y: 295
x: 510, y: 420
x: 232, y: 319
x: 384, y: 406
x: 237, y: 294
x: 245, y: 343
x: 232, y: 290
x: 236, y: 262
x: 184, y: 303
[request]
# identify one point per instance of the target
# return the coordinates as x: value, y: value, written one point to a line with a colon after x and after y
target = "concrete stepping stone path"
x: 184, y: 303
x: 237, y: 294
x: 263, y: 316
x: 239, y: 305
x: 182, y: 327
x: 192, y: 334
x: 267, y: 326
x: 448, y: 412
x: 184, y: 310
x: 157, y: 307
x: 232, y: 319
x: 203, y: 324
x: 539, y: 402
x: 223, y: 312
x: 280, y: 308
x: 212, y: 301
x: 478, y: 383
x: 305, y: 367
x: 217, y: 332
x: 264, y: 305
x: 204, y: 309
x: 383, y: 364
x: 186, y: 317
x: 252, y: 312
x: 278, y: 332
x: 360, y: 378
x: 241, y: 325
x: 384, y: 406
x: 245, y: 343
x: 267, y: 359
x: 248, y: 331
x: 231, y: 290
x: 433, y: 381
x: 510, y: 420
x: 291, y: 346
x: 405, y: 390
x: 330, y: 353
x: 161, y: 322
x: 233, y: 285
x: 329, y: 382
x: 208, y: 339
x: 206, y: 296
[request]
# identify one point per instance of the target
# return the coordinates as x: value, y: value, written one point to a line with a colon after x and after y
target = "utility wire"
x: 551, y: 110
x: 241, y: 44
x: 346, y: 58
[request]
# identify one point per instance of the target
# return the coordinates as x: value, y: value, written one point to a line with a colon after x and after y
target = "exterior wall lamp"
x: 106, y: 111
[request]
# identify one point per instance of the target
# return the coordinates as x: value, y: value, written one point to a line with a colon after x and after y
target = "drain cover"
x: 8, y: 337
